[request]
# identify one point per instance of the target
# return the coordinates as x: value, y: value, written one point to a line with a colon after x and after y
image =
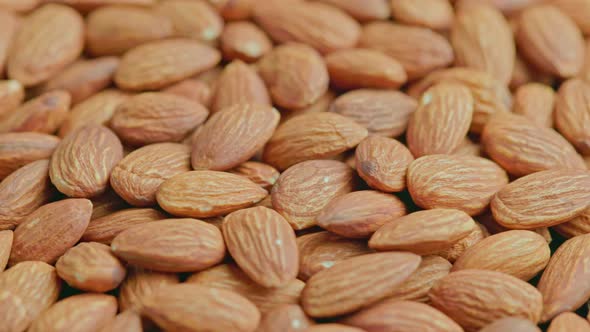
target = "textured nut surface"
x: 12, y: 94
x: 287, y: 318
x: 245, y: 41
x: 6, y: 238
x: 192, y: 19
x: 105, y: 228
x: 511, y: 324
x: 535, y: 102
x: 140, y: 284
x: 43, y: 114
x: 434, y: 14
x: 572, y: 114
x: 238, y: 83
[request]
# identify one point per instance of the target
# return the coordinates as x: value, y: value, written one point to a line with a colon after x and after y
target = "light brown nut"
x: 433, y: 14
x: 579, y: 225
x: 203, y: 194
x: 105, y: 228
x: 43, y: 114
x: 47, y: 233
x: 26, y: 290
x: 8, y: 28
x: 478, y: 234
x: 161, y: 63
x: 260, y: 173
x: 302, y: 191
x: 468, y: 148
x: 321, y: 26
x: 239, y: 84
x: 137, y: 177
x: 577, y: 10
x: 543, y: 32
x: 174, y: 308
x: 312, y: 136
x: 382, y: 112
x: 438, y: 181
x: 19, y: 149
x: 295, y: 74
x: 86, y: 6
x: 535, y: 102
x: 12, y: 95
x: 192, y: 19
x: 572, y: 113
x: 192, y: 89
x: 320, y: 105
x: 359, y: 214
x: 107, y: 203
x: 263, y: 245
x: 127, y: 321
x: 522, y: 254
x: 522, y: 148
x: 47, y: 41
x: 23, y: 191
x: 154, y: 117
x: 419, y: 50
x: 568, y: 321
x: 171, y: 245
x: 83, y: 161
x: 342, y: 288
x: 536, y: 200
x: 113, y: 30
x: 563, y: 282
x: 6, y: 238
x: 285, y: 318
x: 140, y: 284
x: 234, y: 9
x: 511, y: 324
x: 332, y: 327
x: 475, y: 298
x: 19, y: 5
x: 90, y: 266
x: 368, y: 10
x: 244, y: 41
x: 416, y: 287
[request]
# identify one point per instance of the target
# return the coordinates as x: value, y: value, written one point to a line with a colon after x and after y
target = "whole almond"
x: 579, y: 225
x: 286, y: 318
x: 239, y: 84
x: 535, y: 102
x: 416, y: 287
x: 511, y: 324
x: 43, y: 114
x: 83, y: 160
x: 260, y: 173
x: 244, y: 41
x: 536, y: 200
x: 479, y: 233
x: 9, y: 25
x: 522, y: 254
x: 433, y: 14
x: 369, y: 10
x: 105, y: 228
x: 127, y: 321
x: 12, y: 95
x: 139, y: 285
x: 572, y: 114
x: 19, y: 149
x: 6, y: 238
x: 192, y: 19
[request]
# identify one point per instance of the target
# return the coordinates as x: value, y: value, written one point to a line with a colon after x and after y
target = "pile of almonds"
x: 294, y: 165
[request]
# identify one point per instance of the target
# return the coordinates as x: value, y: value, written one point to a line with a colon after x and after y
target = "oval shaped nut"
x: 47, y: 233
x: 23, y: 191
x: 287, y: 318
x: 107, y: 203
x: 536, y: 200
x: 419, y: 50
x: 260, y: 173
x: 482, y: 39
x: 364, y: 68
x: 572, y: 114
x: 160, y: 63
x: 442, y: 120
x: 10, y: 23
x: 312, y: 136
x: 433, y: 14
x: 173, y: 245
x: 479, y: 233
x: 125, y: 321
x: 155, y: 117
x: 522, y: 254
x: 174, y: 308
x: 105, y: 228
x: 302, y: 191
x: 511, y: 324
x: 416, y: 287
x: 43, y: 114
x: 234, y: 10
x: 542, y: 45
x: 203, y: 194
x: 263, y: 245
x: 6, y: 238
x: 342, y: 288
x: 360, y: 213
x: 239, y: 84
x: 90, y: 266
x: 113, y: 30
x: 563, y: 282
x: 82, y: 312
x: 438, y: 181
x: 19, y: 149
x: 367, y: 11
x: 192, y: 19
x: 579, y: 225
x: 47, y: 41
x: 83, y: 161
x: 244, y: 41
x: 382, y: 112
x: 568, y: 321
x: 12, y: 94
x: 295, y: 74
x: 233, y: 135
x: 535, y: 102
x: 383, y: 163
x: 318, y: 25
x: 139, y: 284
x: 475, y: 298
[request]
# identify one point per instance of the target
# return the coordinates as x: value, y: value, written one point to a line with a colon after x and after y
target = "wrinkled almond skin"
x: 140, y: 284
x: 127, y: 321
x: 47, y: 233
x: 438, y: 181
x: 203, y: 194
x: 368, y: 10
x: 260, y: 173
x: 83, y: 161
x: 85, y: 6
x: 359, y: 214
x: 286, y: 318
x: 536, y: 200
x: 239, y: 84
x: 192, y: 89
x: 244, y: 41
x: 47, y: 41
x: 19, y: 149
x: 234, y: 9
x: 572, y: 113
x: 535, y: 102
x: 192, y: 19
x: 12, y: 94
x: 6, y: 238
x: 43, y: 114
x: 475, y: 298
x: 511, y: 324
x: 105, y: 228
x: 577, y: 10
x: 332, y: 327
x: 579, y: 225
x: 433, y: 14
x: 107, y: 203
x: 416, y: 287
x: 454, y: 252
x: 171, y: 245
x: 519, y: 253
x: 568, y: 321
x: 9, y: 25
x: 90, y: 266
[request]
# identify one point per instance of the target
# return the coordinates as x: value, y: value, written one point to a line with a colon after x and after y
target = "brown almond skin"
x: 479, y: 233
x: 105, y: 228
x: 475, y: 298
x: 383, y: 163
x: 161, y: 63
x: 433, y: 14
x: 244, y: 41
x: 563, y: 282
x: 260, y: 173
x: 239, y: 84
x: 174, y: 308
x: 382, y: 112
x: 107, y: 203
x: 511, y: 324
x: 10, y: 23
x: 137, y: 177
x: 536, y: 200
x: 312, y: 136
x: 579, y: 225
x: 536, y: 102
x: 128, y: 321
x: 234, y: 10
x: 6, y: 238
x: 203, y: 194
x: 84, y: 312
x: 286, y: 318
x: 23, y: 191
x: 233, y: 135
x: 359, y: 214
x: 437, y: 181
x: 519, y: 253
x: 192, y: 89
x: 140, y: 284
x: 83, y: 161
x: 85, y: 6
x: 47, y: 41
x: 47, y: 233
x: 19, y: 149
x: 367, y: 11
x: 568, y: 321
x: 416, y: 287
x: 192, y: 19
x: 12, y: 94
x: 172, y: 245
x: 332, y: 327
x: 572, y: 114
x: 90, y: 266
x: 43, y: 114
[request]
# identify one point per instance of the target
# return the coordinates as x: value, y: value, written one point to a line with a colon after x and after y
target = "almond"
x: 192, y: 19
x: 320, y: 105
x: 85, y: 6
x: 105, y: 228
x: 332, y: 327
x: 433, y: 14
x: 260, y: 173
x: 19, y: 149
x: 9, y: 25
x: 468, y: 148
x: 6, y: 238
x: 106, y: 204
x: 572, y: 114
x: 286, y: 318
x: 511, y: 324
x: 369, y: 10
x: 479, y: 233
x: 19, y: 5
x: 43, y: 114
x: 127, y: 321
x: 233, y: 9
x: 577, y: 10
x: 568, y: 321
x: 535, y: 102
x: 416, y: 287
x: 192, y: 89
x: 244, y: 41
x: 579, y: 225
x: 239, y: 84
x: 140, y: 284
x: 12, y: 95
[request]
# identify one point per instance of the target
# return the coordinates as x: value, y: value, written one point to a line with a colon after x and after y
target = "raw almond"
x: 127, y: 321
x: 416, y: 287
x: 9, y: 27
x: 260, y: 173
x: 580, y: 225
x: 535, y: 102
x: 511, y: 324
x: 139, y: 285
x: 85, y: 6
x: 239, y: 84
x: 19, y: 149
x: 468, y: 148
x: 568, y: 321
x: 12, y: 95
x: 107, y: 203
x: 332, y: 327
x: 19, y: 5
x: 105, y: 228
x: 433, y: 14
x: 192, y: 89
x: 369, y: 10
x: 572, y: 113
x: 43, y: 114
x: 234, y: 9
x: 479, y: 233
x: 244, y: 41
x: 6, y: 238
x: 192, y: 19
x: 286, y: 318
